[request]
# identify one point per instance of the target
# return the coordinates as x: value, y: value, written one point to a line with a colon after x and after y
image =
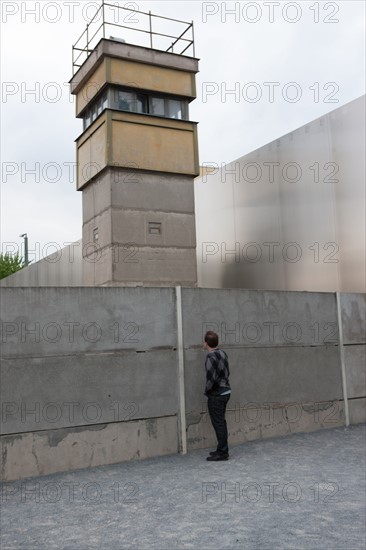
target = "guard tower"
x: 137, y: 156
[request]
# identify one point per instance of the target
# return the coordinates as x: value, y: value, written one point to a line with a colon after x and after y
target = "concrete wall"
x: 285, y: 360
x: 96, y: 367
x: 89, y: 376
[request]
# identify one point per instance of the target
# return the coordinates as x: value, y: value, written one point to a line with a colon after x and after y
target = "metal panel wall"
x: 290, y: 215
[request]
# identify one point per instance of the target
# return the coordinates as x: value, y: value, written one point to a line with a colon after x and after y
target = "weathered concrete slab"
x: 179, y: 265
x: 357, y: 410
x: 173, y: 192
x: 260, y: 421
x: 38, y: 322
x: 129, y: 188
x: 40, y: 453
x: 259, y: 318
x: 56, y: 392
x: 353, y: 307
x: 276, y: 375
x: 355, y: 358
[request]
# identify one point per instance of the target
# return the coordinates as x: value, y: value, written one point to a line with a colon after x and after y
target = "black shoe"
x: 212, y: 453
x: 216, y: 457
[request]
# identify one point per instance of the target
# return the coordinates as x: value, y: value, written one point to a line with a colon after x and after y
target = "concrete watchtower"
x: 137, y: 157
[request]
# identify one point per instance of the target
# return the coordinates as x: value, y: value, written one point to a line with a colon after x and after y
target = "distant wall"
x: 89, y: 376
x: 63, y: 268
x: 291, y: 214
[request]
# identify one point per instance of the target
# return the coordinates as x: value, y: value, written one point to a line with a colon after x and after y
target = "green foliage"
x: 10, y: 264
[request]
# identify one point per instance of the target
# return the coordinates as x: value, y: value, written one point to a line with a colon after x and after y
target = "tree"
x: 10, y: 264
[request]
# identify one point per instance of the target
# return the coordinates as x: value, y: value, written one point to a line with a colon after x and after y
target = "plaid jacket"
x: 217, y: 372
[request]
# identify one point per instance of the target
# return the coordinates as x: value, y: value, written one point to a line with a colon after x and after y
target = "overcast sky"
x: 286, y: 63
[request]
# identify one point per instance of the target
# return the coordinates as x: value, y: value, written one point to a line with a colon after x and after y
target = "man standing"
x: 218, y: 393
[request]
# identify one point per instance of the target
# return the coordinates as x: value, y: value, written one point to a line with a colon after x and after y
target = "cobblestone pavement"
x: 305, y: 491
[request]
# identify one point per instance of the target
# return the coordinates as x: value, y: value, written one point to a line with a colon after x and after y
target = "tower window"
x: 96, y: 108
x: 175, y: 109
x: 154, y: 228
x: 141, y: 103
x: 87, y: 119
x: 157, y: 106
x: 130, y: 101
x: 136, y: 102
x: 94, y: 112
x: 96, y: 235
x: 125, y: 100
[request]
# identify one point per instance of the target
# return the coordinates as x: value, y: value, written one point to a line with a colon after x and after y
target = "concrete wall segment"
x: 278, y: 375
x: 355, y: 359
x: 259, y: 318
x: 40, y: 322
x: 353, y: 308
x: 86, y: 389
x: 41, y: 453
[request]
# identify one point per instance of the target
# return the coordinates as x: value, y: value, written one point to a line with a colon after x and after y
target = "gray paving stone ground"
x: 305, y: 491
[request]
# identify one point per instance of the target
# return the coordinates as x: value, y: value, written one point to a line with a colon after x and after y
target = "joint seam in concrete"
x: 132, y: 209
x: 117, y: 352
x: 79, y: 427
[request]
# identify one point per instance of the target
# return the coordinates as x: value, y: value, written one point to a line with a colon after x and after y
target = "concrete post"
x: 343, y: 362
x: 182, y: 433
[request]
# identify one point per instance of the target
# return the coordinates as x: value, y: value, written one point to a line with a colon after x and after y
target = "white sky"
x: 256, y: 43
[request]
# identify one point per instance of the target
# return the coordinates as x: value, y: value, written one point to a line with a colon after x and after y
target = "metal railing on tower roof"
x: 110, y: 17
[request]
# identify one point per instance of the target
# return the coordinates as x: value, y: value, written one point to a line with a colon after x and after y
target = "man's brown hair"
x: 211, y: 339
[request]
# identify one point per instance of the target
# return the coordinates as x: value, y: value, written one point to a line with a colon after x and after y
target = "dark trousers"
x: 216, y: 407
